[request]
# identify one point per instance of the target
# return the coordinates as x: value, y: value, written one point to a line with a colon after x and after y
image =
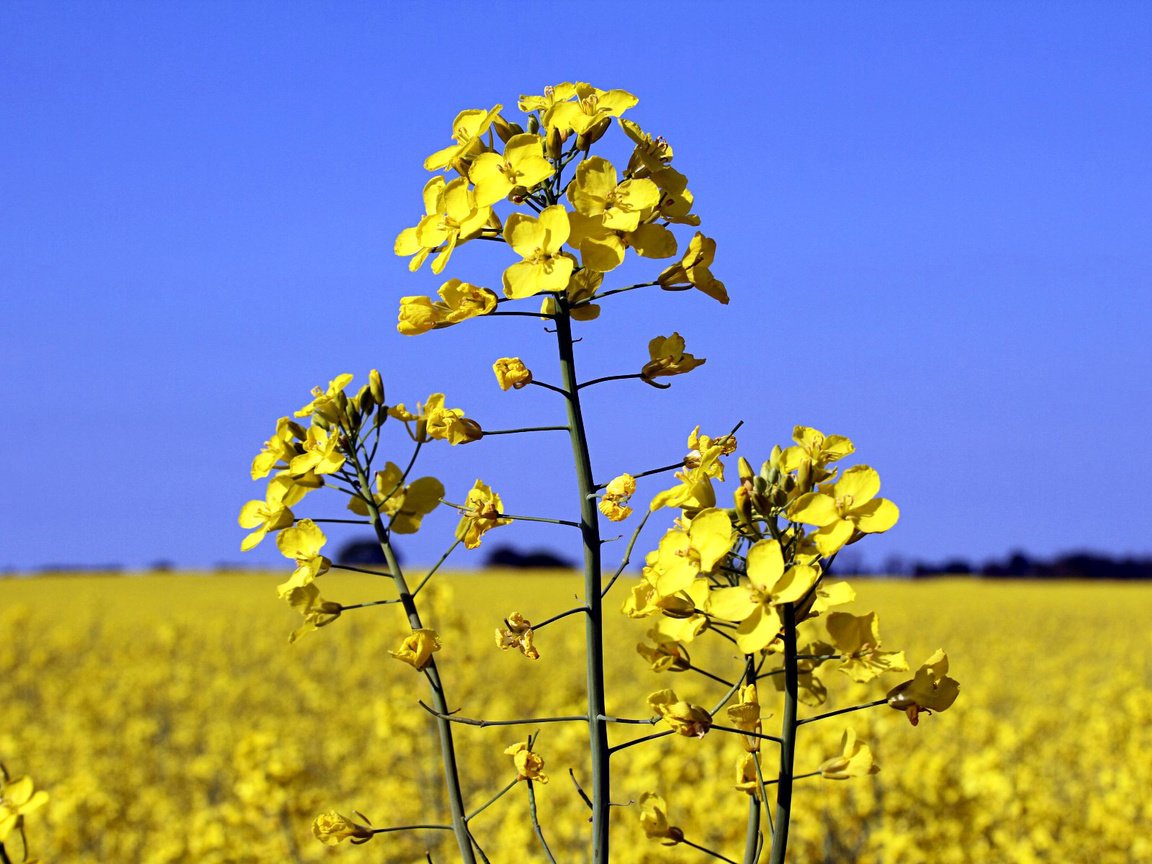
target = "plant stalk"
x: 439, y: 700
x: 594, y: 620
x: 788, y: 737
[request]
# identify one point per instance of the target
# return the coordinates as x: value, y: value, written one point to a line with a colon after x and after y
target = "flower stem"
x: 828, y: 714
x: 447, y: 747
x: 594, y: 620
x: 788, y: 737
x: 536, y: 822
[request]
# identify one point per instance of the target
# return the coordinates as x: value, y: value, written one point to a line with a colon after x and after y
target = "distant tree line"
x: 1018, y: 565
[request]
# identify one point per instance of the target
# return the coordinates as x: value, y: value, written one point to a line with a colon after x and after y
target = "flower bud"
x: 594, y: 133
x: 505, y: 129
x: 377, y: 385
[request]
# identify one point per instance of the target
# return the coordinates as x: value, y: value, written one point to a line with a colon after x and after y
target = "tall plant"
x: 755, y: 574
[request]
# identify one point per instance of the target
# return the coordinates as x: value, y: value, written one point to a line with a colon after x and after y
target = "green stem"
x: 707, y: 851
x: 492, y: 800
x: 447, y: 747
x: 536, y: 822
x: 788, y: 737
x: 4, y: 859
x: 828, y: 714
x: 752, y: 827
x: 526, y: 429
x: 593, y: 585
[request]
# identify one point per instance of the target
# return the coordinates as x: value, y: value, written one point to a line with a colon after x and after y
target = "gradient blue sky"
x: 934, y: 221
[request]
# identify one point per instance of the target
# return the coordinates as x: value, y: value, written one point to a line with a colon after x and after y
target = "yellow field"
x: 169, y: 720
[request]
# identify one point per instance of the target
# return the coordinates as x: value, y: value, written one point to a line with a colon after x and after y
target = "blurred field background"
x: 170, y: 720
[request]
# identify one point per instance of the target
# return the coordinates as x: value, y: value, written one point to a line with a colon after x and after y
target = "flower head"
x: 331, y: 827
x: 693, y: 270
x: 931, y: 689
x: 842, y: 508
x: 855, y: 760
x: 687, y: 719
x: 482, y: 511
x: 654, y: 820
x: 18, y: 798
x: 614, y: 502
x: 417, y: 649
x: 538, y: 242
x: 517, y: 633
x: 529, y: 764
x: 668, y: 357
x: 522, y: 166
x: 512, y: 373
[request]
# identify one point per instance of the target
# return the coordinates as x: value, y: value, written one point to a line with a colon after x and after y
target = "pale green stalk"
x: 447, y: 748
x: 788, y: 726
x: 593, y: 586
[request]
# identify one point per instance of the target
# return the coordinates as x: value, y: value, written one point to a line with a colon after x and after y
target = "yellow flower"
x: 406, y: 505
x: 755, y: 604
x: 667, y: 655
x: 654, y: 820
x: 322, y: 454
x: 330, y: 828
x: 840, y: 510
x: 452, y: 217
x: 538, y: 241
x: 511, y: 372
x: 687, y: 719
x: 614, y: 503
x: 693, y: 270
x: 417, y: 650
x: 931, y: 689
x: 18, y: 798
x: 271, y: 514
x: 857, y: 641
x: 482, y: 512
x: 747, y: 777
x: 669, y: 358
x: 522, y: 166
x: 745, y: 716
x: 602, y: 247
x: 683, y: 555
x: 855, y: 760
x: 302, y: 543
x: 280, y: 449
x: 591, y: 106
x: 596, y: 193
x: 702, y: 465
x: 650, y: 154
x: 467, y: 129
x: 317, y: 611
x: 815, y: 449
x: 460, y: 301
x: 582, y: 287
x: 327, y: 403
x: 517, y: 633
x: 529, y: 765
x: 449, y: 424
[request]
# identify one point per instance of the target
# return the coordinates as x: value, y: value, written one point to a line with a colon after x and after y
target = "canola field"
x: 169, y: 720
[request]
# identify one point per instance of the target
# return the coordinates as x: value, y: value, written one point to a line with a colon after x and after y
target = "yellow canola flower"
x: 747, y: 777
x: 331, y: 827
x: 650, y: 154
x: 467, y: 129
x: 815, y: 449
x: 840, y: 510
x: 406, y: 506
x: 326, y: 403
x: 482, y: 511
x: 595, y: 192
x: 686, y: 719
x: 685, y: 554
x: 857, y: 641
x: 271, y: 514
x: 756, y: 604
x: 281, y: 448
x: 417, y: 649
x: 930, y: 690
x: 538, y: 240
x: 693, y: 270
x: 18, y: 798
x: 317, y: 611
x: 302, y: 543
x: 452, y: 217
x: 582, y: 287
x: 668, y: 358
x: 745, y: 716
x: 702, y: 465
x: 517, y: 633
x: 529, y: 764
x: 459, y: 301
x: 855, y: 760
x: 322, y: 454
x: 511, y: 373
x: 602, y: 248
x: 591, y: 106
x: 522, y: 166
x: 667, y: 655
x: 614, y: 502
x: 675, y: 200
x: 654, y: 820
x: 433, y: 420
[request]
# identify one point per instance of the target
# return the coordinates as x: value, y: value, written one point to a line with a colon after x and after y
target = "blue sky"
x: 933, y: 221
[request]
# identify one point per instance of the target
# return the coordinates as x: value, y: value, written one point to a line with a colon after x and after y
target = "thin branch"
x: 490, y: 801
x: 627, y: 555
x: 551, y: 387
x: 536, y: 822
x: 555, y: 618
x: 747, y: 734
x: 526, y: 429
x: 641, y: 740
x: 469, y: 721
x: 825, y: 716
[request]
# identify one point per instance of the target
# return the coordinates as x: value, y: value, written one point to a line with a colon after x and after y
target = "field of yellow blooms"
x: 169, y: 720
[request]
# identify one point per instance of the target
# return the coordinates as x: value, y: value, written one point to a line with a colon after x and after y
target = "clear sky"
x: 934, y: 220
